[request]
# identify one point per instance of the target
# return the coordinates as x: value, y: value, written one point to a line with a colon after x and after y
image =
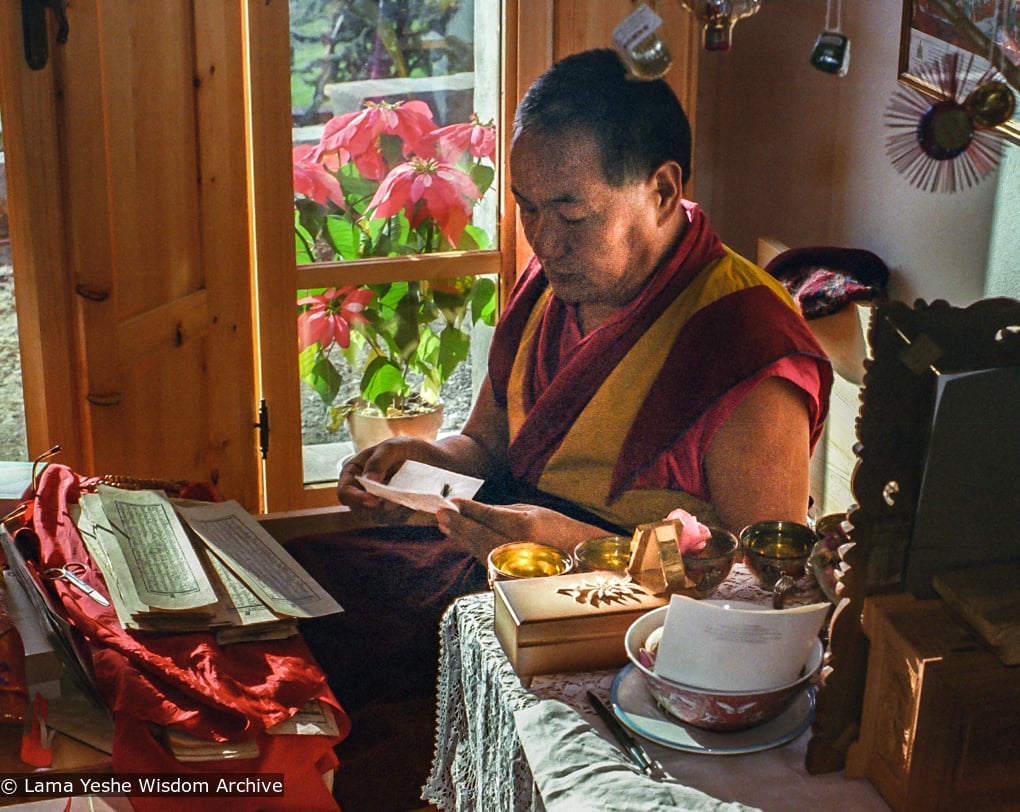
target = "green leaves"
x: 318, y: 372
x: 483, y: 176
x: 412, y: 339
x: 473, y: 239
x: 344, y: 237
x: 382, y: 383
x: 453, y: 349
x: 483, y: 301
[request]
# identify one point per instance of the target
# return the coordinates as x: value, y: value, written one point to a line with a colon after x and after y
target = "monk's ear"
x: 667, y: 183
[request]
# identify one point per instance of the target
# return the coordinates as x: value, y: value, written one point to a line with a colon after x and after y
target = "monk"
x: 639, y: 366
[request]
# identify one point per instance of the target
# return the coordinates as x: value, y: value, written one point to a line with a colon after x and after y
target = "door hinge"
x: 263, y: 426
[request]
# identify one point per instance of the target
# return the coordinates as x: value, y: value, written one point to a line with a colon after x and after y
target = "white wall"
x: 788, y: 151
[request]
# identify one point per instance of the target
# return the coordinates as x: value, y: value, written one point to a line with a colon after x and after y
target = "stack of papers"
x: 61, y: 636
x: 188, y: 748
x: 195, y: 566
x: 43, y: 667
x: 314, y: 719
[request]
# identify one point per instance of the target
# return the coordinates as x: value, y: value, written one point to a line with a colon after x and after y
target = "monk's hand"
x: 379, y: 463
x: 478, y: 528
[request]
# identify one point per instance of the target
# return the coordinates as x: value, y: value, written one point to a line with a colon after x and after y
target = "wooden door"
x: 131, y: 249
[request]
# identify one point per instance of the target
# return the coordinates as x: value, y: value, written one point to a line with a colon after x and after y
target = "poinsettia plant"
x: 386, y: 181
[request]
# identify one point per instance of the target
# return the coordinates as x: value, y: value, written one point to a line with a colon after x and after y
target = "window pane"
x: 394, y: 155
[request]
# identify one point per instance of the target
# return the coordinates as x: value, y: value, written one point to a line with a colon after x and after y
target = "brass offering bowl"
x: 775, y: 549
x: 709, y: 566
x: 527, y: 559
x: 610, y: 553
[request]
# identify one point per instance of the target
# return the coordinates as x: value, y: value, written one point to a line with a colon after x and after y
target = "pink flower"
x: 313, y: 180
x: 452, y: 141
x: 329, y: 140
x: 330, y: 316
x: 694, y: 535
x: 355, y: 136
x: 427, y: 188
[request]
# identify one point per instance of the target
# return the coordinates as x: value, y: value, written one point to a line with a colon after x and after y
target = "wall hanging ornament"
x: 717, y: 18
x: 831, y: 53
x: 944, y: 138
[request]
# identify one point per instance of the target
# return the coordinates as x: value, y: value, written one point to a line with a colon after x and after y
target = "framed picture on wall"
x: 980, y: 31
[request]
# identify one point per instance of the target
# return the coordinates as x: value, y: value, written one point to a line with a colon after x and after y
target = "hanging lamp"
x: 717, y: 18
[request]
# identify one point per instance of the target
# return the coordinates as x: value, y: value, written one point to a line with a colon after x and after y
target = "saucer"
x: 635, y: 707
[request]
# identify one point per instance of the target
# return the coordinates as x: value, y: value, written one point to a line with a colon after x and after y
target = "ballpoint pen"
x: 631, y: 747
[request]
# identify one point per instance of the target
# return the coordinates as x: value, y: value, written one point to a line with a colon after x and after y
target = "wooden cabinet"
x: 940, y: 728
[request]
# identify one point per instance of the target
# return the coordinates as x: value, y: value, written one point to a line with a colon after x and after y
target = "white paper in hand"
x: 424, y: 487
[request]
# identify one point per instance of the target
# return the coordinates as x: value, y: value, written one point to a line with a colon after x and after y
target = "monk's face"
x: 597, y: 243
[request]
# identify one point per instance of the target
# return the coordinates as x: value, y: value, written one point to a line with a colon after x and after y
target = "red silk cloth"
x: 218, y: 693
x: 723, y: 344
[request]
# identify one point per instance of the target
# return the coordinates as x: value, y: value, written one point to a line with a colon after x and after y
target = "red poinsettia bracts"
x: 452, y: 141
x: 428, y: 189
x: 355, y: 136
x: 409, y: 164
x: 330, y: 315
x: 312, y: 179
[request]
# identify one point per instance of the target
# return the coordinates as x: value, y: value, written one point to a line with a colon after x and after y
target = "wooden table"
x: 481, y: 764
x: 75, y: 758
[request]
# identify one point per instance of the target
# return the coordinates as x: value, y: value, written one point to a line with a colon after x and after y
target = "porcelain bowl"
x: 709, y: 566
x: 774, y: 549
x: 707, y: 708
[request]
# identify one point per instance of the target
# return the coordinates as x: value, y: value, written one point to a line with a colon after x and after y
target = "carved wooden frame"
x: 910, y: 347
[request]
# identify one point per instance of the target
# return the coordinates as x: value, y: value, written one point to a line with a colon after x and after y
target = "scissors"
x: 73, y: 571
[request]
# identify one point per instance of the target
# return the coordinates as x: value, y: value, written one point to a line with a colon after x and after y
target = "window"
x: 395, y: 221
x: 394, y: 109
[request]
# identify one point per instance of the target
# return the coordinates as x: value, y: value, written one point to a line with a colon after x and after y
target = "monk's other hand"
x: 479, y: 528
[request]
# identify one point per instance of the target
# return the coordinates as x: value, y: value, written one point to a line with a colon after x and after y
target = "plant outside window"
x: 385, y: 181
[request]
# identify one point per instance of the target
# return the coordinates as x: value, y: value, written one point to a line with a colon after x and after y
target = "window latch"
x: 36, y: 33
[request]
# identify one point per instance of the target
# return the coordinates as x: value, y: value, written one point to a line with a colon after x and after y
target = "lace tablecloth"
x: 480, y: 764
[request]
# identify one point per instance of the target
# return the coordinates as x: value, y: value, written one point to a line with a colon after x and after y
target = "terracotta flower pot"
x: 370, y: 429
